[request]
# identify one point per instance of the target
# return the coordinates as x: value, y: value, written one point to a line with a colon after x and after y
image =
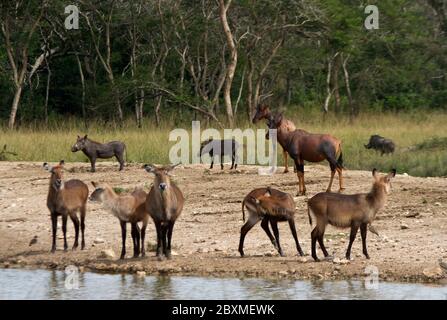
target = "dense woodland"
x: 215, y: 60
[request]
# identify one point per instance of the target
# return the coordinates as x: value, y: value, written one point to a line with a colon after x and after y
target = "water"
x: 43, y: 284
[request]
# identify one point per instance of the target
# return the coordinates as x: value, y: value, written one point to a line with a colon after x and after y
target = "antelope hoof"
x: 282, y: 254
x: 366, y: 255
x: 161, y: 257
x: 53, y: 250
x: 316, y: 259
x: 341, y: 190
x: 242, y: 254
x: 168, y: 256
x: 75, y: 246
x: 286, y: 171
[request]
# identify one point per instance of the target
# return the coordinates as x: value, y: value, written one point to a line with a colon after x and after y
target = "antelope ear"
x: 392, y: 174
x: 79, y: 137
x: 278, y: 119
x: 171, y: 167
x: 94, y: 184
x: 62, y: 162
x: 268, y: 193
x: 85, y: 137
x: 374, y: 173
x: 149, y: 168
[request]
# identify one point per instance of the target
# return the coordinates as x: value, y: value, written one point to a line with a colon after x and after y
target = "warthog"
x: 94, y: 150
x: 381, y: 144
x: 220, y: 148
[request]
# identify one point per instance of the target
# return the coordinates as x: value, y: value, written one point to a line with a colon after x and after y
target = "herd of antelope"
x: 164, y: 202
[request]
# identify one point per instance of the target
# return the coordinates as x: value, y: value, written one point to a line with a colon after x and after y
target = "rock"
x: 98, y: 241
x: 174, y: 253
x: 302, y: 259
x: 405, y: 174
x: 340, y: 261
x: 9, y: 225
x: 404, y: 226
x: 283, y: 273
x: 438, y: 204
x: 337, y: 268
x: 141, y: 273
x: 433, y: 272
x: 107, y: 254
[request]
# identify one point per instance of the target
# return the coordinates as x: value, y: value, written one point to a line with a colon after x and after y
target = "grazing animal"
x: 304, y: 146
x: 164, y: 204
x: 343, y: 211
x: 129, y: 208
x: 269, y: 205
x: 220, y: 148
x: 381, y: 144
x: 64, y: 199
x: 94, y: 150
x: 263, y: 112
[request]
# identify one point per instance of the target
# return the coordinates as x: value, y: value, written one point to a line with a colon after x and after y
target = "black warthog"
x: 381, y: 144
x: 220, y: 148
x: 94, y: 150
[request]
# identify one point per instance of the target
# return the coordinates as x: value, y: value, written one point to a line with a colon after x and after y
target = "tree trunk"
x: 231, y: 66
x: 14, y: 107
x: 328, y: 87
x: 47, y: 94
x: 352, y: 110
x: 81, y: 76
x: 251, y: 107
x: 336, y: 87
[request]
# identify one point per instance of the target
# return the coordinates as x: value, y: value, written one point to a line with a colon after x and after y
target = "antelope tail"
x: 308, y: 213
x: 243, y: 210
x: 340, y: 161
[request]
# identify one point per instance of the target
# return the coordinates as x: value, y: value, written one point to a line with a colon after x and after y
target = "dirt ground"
x: 412, y: 227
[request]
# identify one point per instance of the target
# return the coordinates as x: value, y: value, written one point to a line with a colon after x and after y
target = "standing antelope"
x: 129, y: 208
x: 164, y: 204
x: 343, y: 211
x: 263, y: 112
x: 304, y: 146
x: 269, y: 205
x: 65, y: 199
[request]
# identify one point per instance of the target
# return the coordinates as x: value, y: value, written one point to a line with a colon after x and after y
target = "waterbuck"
x: 304, y: 146
x: 263, y: 112
x: 164, y: 204
x: 343, y: 211
x: 94, y: 150
x: 64, y: 199
x: 128, y: 208
x: 269, y: 205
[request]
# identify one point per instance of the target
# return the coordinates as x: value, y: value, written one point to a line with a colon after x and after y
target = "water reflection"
x: 42, y: 284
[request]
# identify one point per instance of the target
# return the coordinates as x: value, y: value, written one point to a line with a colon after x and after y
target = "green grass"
x: 421, y: 140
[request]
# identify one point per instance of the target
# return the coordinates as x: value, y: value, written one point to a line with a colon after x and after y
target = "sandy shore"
x: 412, y: 227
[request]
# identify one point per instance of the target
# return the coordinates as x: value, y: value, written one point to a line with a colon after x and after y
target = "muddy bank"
x: 412, y: 227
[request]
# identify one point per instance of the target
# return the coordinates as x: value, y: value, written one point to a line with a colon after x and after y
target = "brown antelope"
x: 164, y: 204
x: 304, y: 146
x: 64, y: 199
x: 130, y: 208
x: 263, y: 112
x: 269, y: 205
x: 343, y: 211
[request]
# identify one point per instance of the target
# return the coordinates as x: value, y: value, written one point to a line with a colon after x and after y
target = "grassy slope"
x: 151, y: 144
